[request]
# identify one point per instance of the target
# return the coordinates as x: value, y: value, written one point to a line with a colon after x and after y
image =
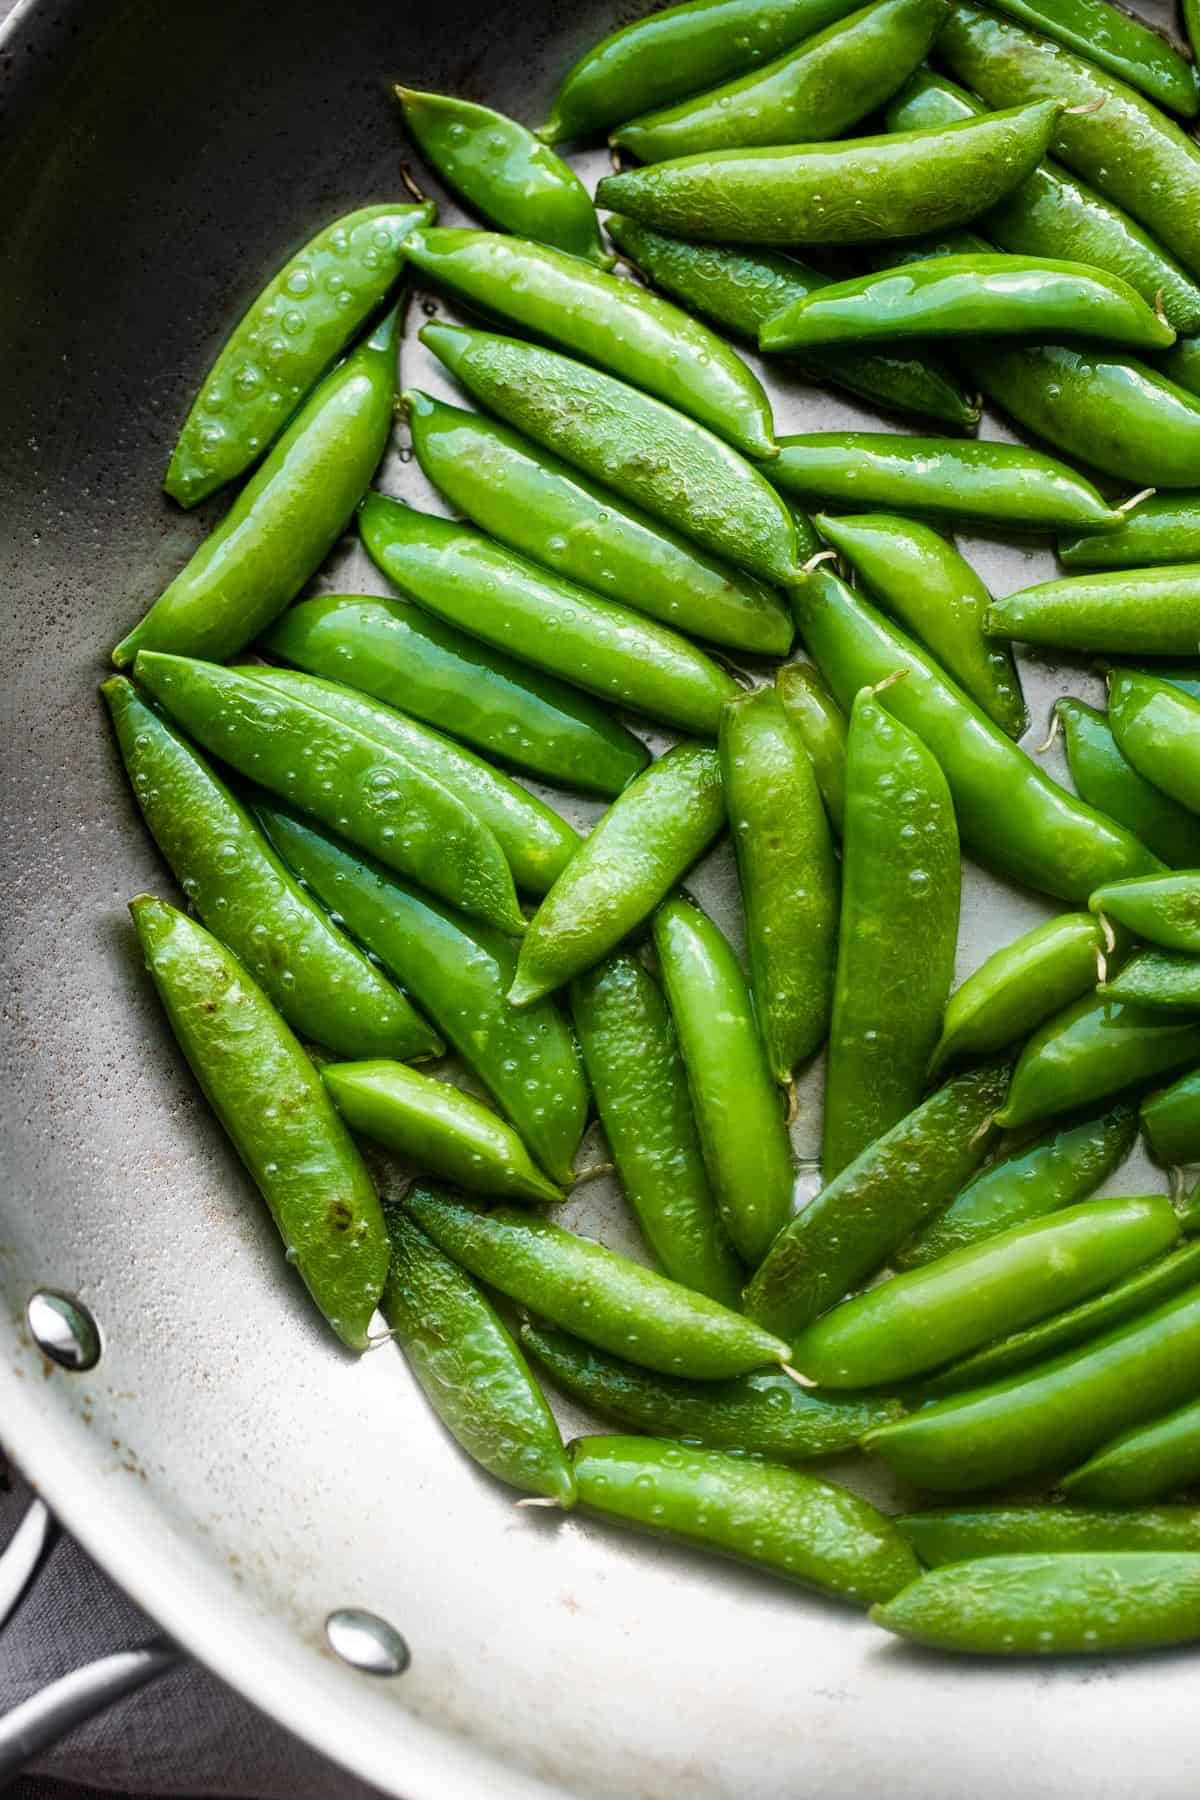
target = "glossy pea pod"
x: 1107, y: 781
x: 1147, y: 612
x: 1163, y: 909
x: 649, y: 837
x: 647, y: 452
x: 437, y: 1128
x: 503, y: 171
x: 1018, y: 986
x: 1182, y: 364
x: 535, y: 503
x: 790, y: 1523
x: 787, y: 875
x: 738, y: 288
x: 355, y: 783
x: 956, y: 1534
x: 935, y: 593
x: 320, y: 981
x: 1157, y: 727
x: 737, y: 1107
x: 853, y: 1225
x: 1094, y: 1048
x: 466, y: 580
x: 901, y: 881
x: 593, y: 1292
x: 269, y: 1098
x: 407, y: 658
x: 284, y: 520
x: 1059, y: 1168
x: 604, y: 320
x: 289, y: 337
x: 763, y: 1414
x: 636, y: 1072
x: 1165, y: 528
x: 1119, y: 42
x: 853, y: 191
x: 821, y: 726
x: 1143, y: 1464
x: 1163, y: 980
x: 815, y: 90
x: 1171, y: 1121
x: 470, y: 1370
x: 458, y: 970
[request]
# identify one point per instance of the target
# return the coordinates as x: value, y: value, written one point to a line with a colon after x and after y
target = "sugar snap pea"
x: 1171, y: 1121
x: 1163, y: 909
x: 358, y: 785
x: 787, y: 875
x: 1143, y: 1464
x: 290, y: 335
x: 284, y: 520
x: 1165, y: 528
x: 817, y: 89
x: 852, y: 1226
x: 957, y: 1534
x: 465, y: 579
x: 1181, y: 364
x: 649, y: 837
x: 927, y: 1316
x: 1018, y: 986
x: 763, y: 1414
x: 1091, y: 1049
x: 1153, y: 612
x: 1119, y: 42
x: 821, y: 726
x: 1191, y: 22
x: 1059, y: 1168
x: 1163, y: 980
x: 637, y: 1076
x: 1104, y: 778
x: 791, y: 1523
x: 503, y: 171
x: 737, y: 1108
x: 936, y: 594
x: 471, y: 1372
x: 458, y: 970
x: 589, y: 1290
x: 1157, y: 727
x: 650, y: 454
x: 856, y: 190
x: 605, y: 320
x: 269, y: 1098
x: 437, y: 1128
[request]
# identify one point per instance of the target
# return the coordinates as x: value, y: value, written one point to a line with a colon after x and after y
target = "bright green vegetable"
x: 1018, y: 986
x: 955, y: 1534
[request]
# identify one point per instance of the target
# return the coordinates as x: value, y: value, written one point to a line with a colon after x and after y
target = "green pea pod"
x: 644, y: 843
x: 1060, y: 1168
x: 1191, y: 21
x: 901, y: 879
x: 764, y: 1414
x: 1150, y: 612
x: 738, y: 1114
x: 787, y: 873
x: 288, y: 338
x: 958, y: 1534
x: 589, y: 1290
x: 503, y: 171
x: 437, y: 1128
x: 458, y: 970
x: 1142, y: 1464
x: 925, y: 1317
x: 1094, y: 1048
x: 1157, y: 727
x: 292, y: 511
x: 650, y: 454
x: 405, y: 657
x: 1108, y: 782
x: 1052, y: 214
x: 1018, y: 986
x: 821, y: 725
x: 675, y: 52
x: 739, y: 289
x: 1119, y: 42
x: 1163, y: 909
x: 323, y: 985
x: 551, y: 513
x: 817, y: 89
x: 1165, y: 528
x: 1052, y: 1605
x: 1163, y: 980
x: 356, y: 784
x: 1127, y: 1299
x: 471, y: 1372
x: 465, y: 579
x: 934, y: 592
x: 269, y: 1098
x: 999, y: 484
x: 606, y: 321
x: 852, y: 1226
x: 1048, y: 1417
x: 1110, y: 134
x: 1040, y: 834
x: 637, y: 1076
x: 536, y: 841
x: 1182, y: 364
x: 1171, y: 1122
x: 854, y: 191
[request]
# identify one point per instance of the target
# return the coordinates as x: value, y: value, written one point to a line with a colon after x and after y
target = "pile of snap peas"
x: 349, y: 791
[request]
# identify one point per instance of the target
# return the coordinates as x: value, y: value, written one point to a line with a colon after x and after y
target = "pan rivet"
x: 366, y: 1641
x: 64, y: 1330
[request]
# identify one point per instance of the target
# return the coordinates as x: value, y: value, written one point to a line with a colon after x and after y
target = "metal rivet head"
x: 366, y: 1641
x: 64, y: 1330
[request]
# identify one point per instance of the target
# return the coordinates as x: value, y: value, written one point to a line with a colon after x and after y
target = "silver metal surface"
x: 235, y: 1471
x: 45, y: 1718
x: 366, y: 1641
x: 24, y: 1554
x: 63, y: 1330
